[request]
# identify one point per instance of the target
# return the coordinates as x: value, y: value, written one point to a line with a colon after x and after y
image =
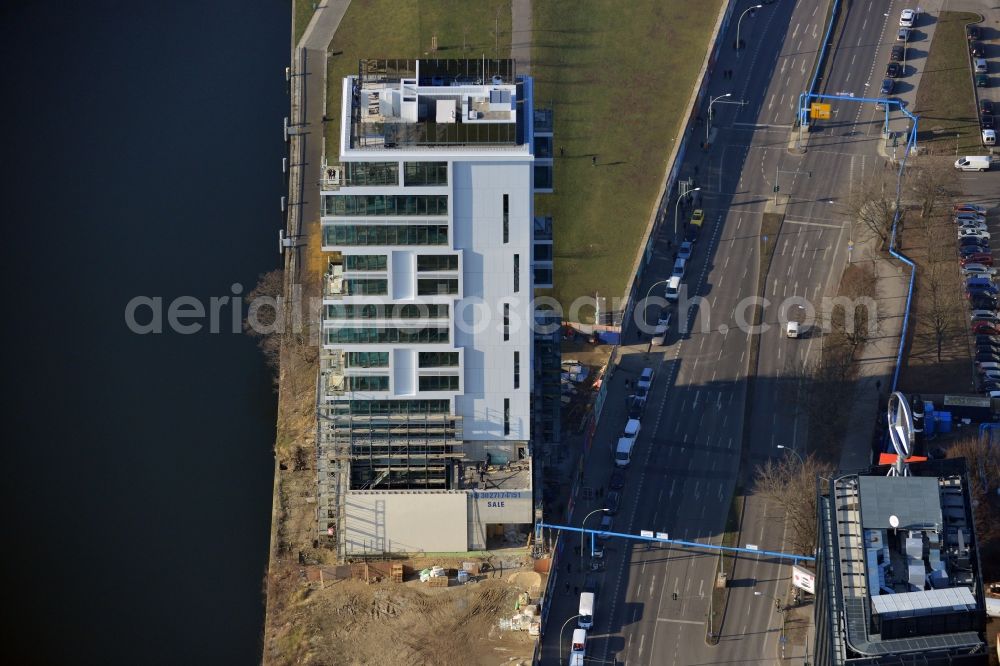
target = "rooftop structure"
x: 897, y: 569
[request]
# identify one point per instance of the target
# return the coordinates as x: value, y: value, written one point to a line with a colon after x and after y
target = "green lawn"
x: 945, y: 102
x: 618, y: 76
x: 393, y: 29
x: 302, y: 11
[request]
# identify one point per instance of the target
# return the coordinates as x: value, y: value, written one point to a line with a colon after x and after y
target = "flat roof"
x: 914, y: 500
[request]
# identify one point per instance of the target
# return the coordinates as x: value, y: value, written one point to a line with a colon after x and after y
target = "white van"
x: 989, y: 137
x: 623, y: 452
x: 632, y: 427
x: 586, y: 620
x: 680, y: 264
x: 579, y: 642
x: 673, y: 288
x: 969, y: 163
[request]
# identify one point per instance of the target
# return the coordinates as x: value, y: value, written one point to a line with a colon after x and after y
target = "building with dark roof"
x: 897, y: 569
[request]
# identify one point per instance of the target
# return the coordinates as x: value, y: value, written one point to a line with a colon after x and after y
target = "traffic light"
x: 777, y: 188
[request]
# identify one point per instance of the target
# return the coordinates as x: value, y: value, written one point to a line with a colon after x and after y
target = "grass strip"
x: 727, y: 562
x: 946, y: 97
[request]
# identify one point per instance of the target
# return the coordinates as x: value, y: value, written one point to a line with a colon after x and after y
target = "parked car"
x: 987, y: 122
x: 894, y: 70
x: 968, y: 216
x: 979, y: 258
x: 903, y: 35
x: 969, y: 225
x: 972, y: 32
x: 980, y: 65
x: 887, y: 86
x: 684, y: 251
x: 988, y: 357
x: 897, y: 52
x: 983, y: 328
x: 984, y: 315
x: 977, y: 49
x: 985, y: 303
x: 970, y: 250
x: 907, y: 18
x: 645, y: 379
x: 982, y: 81
x: 988, y: 338
x: 967, y: 241
x: 973, y: 233
x: 987, y: 346
x: 985, y: 109
x: 977, y: 269
x: 617, y: 480
x: 612, y: 502
x: 987, y: 365
x: 635, y: 407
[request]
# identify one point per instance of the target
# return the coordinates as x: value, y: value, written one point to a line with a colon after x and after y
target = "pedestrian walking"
x: 562, y: 152
x: 576, y: 590
x: 878, y: 384
x: 567, y: 588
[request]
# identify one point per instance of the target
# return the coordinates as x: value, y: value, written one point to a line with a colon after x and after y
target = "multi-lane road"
x: 653, y: 602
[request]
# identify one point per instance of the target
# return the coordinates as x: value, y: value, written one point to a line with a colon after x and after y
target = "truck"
x: 973, y: 163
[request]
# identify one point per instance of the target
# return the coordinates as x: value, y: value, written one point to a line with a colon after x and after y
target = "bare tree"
x: 983, y: 461
x: 933, y: 181
x: 857, y: 318
x: 791, y: 484
x: 873, y: 206
x: 944, y: 305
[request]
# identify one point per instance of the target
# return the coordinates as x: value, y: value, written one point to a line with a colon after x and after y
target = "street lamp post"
x: 678, y: 204
x: 645, y: 304
x: 708, y: 122
x: 748, y: 9
x: 797, y: 455
x: 561, y: 635
x: 583, y: 524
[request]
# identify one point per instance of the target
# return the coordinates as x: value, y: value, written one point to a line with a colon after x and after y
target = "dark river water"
x: 142, y: 157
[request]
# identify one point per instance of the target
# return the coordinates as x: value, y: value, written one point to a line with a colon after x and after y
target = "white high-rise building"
x: 425, y: 395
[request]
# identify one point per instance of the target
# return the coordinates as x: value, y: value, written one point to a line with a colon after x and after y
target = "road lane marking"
x: 676, y: 621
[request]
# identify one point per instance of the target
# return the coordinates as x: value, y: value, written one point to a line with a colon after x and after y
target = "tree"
x: 933, y: 181
x: 791, y: 484
x: 944, y: 305
x: 873, y: 205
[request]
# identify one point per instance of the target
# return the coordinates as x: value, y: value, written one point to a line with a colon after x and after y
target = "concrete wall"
x: 406, y: 521
x: 495, y: 507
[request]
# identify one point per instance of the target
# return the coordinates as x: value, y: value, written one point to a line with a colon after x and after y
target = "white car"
x: 903, y: 35
x: 980, y: 65
x: 987, y: 366
x: 645, y: 379
x: 971, y: 233
x: 906, y: 18
x: 977, y: 269
x: 792, y: 329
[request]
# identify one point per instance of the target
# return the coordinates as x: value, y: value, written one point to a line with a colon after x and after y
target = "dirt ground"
x: 923, y: 372
x: 351, y: 622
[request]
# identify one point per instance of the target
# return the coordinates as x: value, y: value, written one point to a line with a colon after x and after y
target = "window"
x: 517, y: 369
x: 506, y: 416
x: 360, y: 174
x: 506, y: 322
x: 437, y: 286
x: 437, y: 262
x: 506, y: 218
x: 385, y: 204
x: 366, y: 287
x: 438, y: 383
x: 390, y: 407
x: 385, y: 234
x: 438, y: 359
x: 387, y: 311
x: 368, y: 383
x: 517, y: 273
x: 367, y: 359
x: 543, y: 252
x: 425, y: 173
x: 387, y: 335
x: 365, y: 262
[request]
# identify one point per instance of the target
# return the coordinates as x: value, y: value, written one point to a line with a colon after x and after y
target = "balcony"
x: 333, y: 282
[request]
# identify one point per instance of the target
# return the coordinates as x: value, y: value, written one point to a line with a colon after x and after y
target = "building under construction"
x: 426, y: 393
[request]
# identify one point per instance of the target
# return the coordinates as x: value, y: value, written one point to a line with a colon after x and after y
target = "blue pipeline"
x: 911, y: 143
x: 675, y: 542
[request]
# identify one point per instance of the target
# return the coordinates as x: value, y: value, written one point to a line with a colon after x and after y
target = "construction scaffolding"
x: 378, y: 445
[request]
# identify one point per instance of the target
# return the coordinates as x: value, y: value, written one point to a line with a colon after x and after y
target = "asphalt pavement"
x: 653, y: 602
